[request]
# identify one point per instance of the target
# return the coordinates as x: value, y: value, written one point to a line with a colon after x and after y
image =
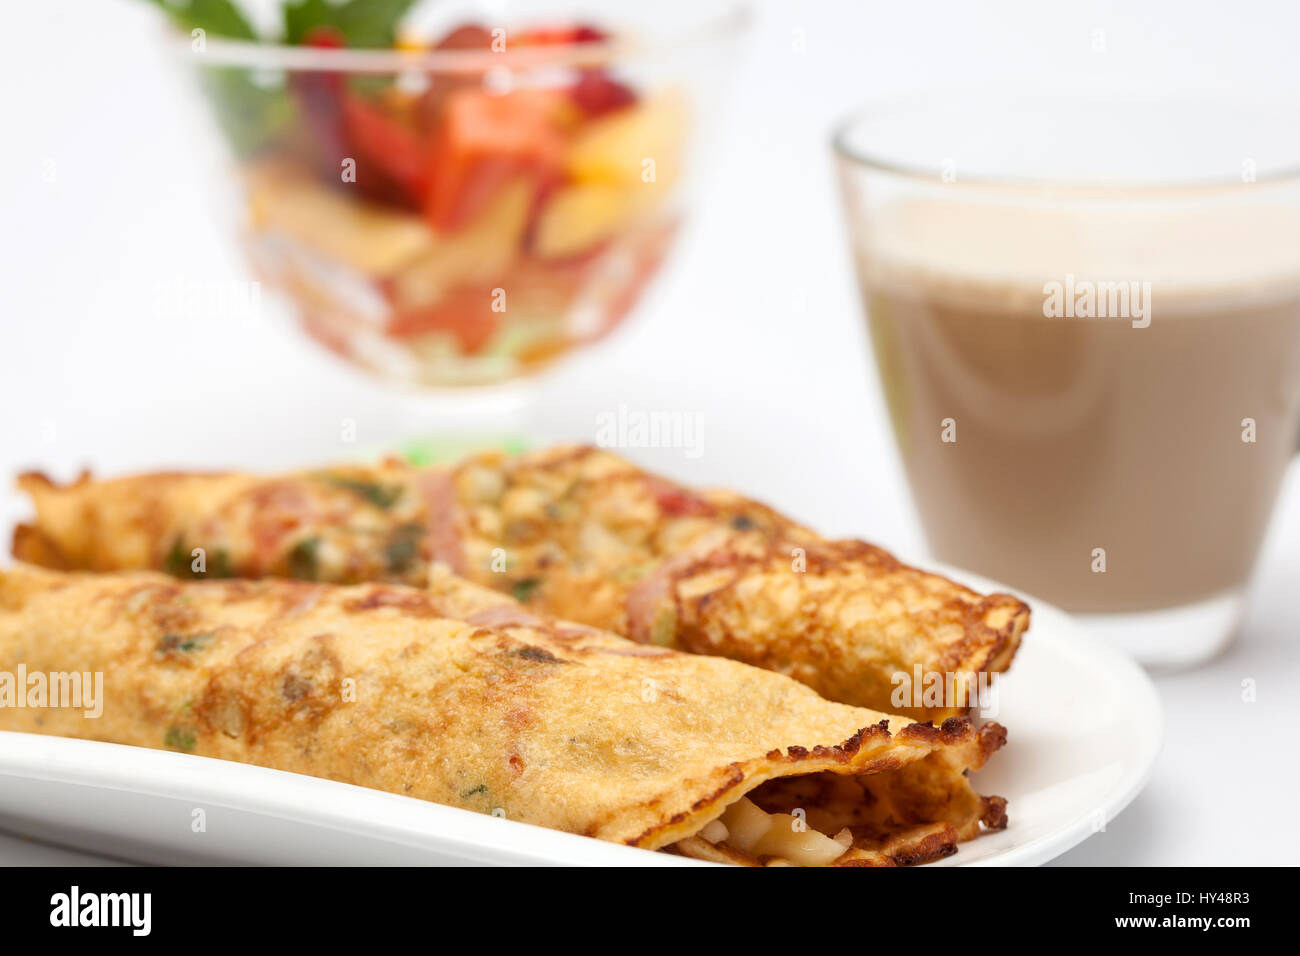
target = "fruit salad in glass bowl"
x: 459, y: 204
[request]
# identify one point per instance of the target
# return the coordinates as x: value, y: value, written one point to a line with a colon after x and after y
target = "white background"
x: 105, y: 197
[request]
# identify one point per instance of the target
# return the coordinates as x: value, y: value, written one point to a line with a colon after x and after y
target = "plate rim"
x: 1067, y: 629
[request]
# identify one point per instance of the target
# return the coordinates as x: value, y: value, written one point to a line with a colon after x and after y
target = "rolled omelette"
x: 574, y: 531
x: 457, y: 695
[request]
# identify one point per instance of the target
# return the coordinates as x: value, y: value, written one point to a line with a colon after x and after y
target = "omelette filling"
x: 907, y: 815
x: 749, y: 829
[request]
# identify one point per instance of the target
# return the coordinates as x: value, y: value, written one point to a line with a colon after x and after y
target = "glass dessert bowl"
x: 468, y: 210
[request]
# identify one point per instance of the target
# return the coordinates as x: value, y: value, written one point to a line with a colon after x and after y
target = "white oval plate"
x: 1084, y: 729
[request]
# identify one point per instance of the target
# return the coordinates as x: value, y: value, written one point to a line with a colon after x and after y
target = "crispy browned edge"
x: 993, y: 625
x: 989, y: 642
x: 29, y: 543
x: 954, y: 731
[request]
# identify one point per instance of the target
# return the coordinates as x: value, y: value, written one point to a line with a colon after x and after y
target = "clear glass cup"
x: 1085, y: 315
x: 469, y: 214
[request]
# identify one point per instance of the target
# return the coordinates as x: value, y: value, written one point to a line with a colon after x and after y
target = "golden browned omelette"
x: 574, y: 531
x: 458, y: 695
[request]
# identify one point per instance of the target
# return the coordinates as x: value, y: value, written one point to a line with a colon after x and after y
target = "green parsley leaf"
x: 363, y: 23
x: 523, y: 589
x: 219, y: 565
x: 403, y: 548
x: 221, y: 17
x: 381, y: 496
x: 180, y: 738
x: 171, y: 644
x: 304, y: 560
x: 177, y: 562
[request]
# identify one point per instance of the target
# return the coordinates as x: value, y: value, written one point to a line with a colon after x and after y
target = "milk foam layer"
x: 1197, y: 254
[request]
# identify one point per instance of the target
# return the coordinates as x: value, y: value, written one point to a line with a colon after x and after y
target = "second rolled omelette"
x: 459, y: 696
x: 576, y: 532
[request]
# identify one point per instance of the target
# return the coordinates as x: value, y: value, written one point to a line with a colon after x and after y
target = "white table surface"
x: 105, y: 202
